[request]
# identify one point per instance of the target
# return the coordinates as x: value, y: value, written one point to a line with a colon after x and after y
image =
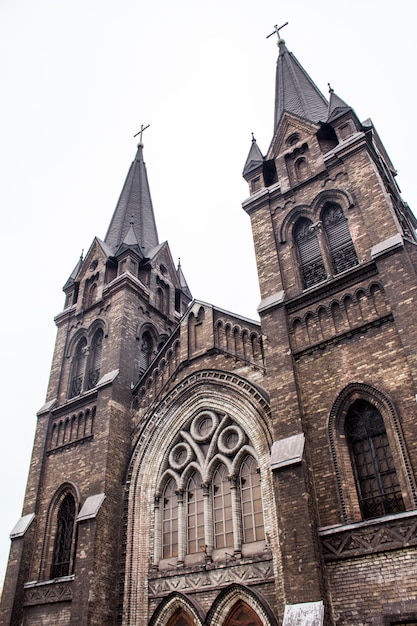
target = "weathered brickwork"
x: 156, y: 408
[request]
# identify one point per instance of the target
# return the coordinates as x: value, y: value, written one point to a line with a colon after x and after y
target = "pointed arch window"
x: 376, y: 478
x: 78, y: 367
x: 212, y: 492
x: 61, y: 563
x: 95, y: 358
x: 222, y: 509
x: 170, y: 521
x: 251, y: 501
x: 311, y: 261
x: 195, y: 514
x: 341, y: 249
x: 145, y: 354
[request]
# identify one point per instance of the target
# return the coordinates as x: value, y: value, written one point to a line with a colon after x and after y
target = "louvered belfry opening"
x: 78, y: 368
x: 376, y: 478
x: 96, y: 356
x: 342, y: 251
x: 311, y: 261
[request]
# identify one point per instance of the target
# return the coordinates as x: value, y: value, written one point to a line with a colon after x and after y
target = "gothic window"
x: 301, y: 169
x: 195, y: 515
x: 311, y: 261
x: 169, y: 521
x: 342, y: 252
x: 377, y: 482
x: 216, y: 508
x: 95, y: 358
x: 61, y: 562
x: 92, y: 295
x: 78, y: 369
x: 222, y: 509
x: 251, y: 501
x: 145, y: 354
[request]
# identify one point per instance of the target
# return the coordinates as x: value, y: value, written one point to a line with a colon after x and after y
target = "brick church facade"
x: 194, y: 468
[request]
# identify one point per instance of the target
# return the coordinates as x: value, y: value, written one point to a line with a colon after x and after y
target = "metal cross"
x: 276, y: 30
x: 140, y: 132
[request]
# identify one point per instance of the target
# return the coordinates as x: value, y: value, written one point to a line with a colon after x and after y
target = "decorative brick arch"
x: 224, y: 393
x: 350, y: 510
x: 240, y: 606
x: 177, y: 610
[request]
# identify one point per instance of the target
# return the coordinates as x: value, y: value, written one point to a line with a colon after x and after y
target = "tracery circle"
x: 231, y: 440
x: 204, y: 425
x: 180, y: 455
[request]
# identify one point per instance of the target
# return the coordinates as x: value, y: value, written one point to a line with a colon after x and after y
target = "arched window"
x: 92, y: 295
x: 342, y: 252
x: 251, y: 501
x: 78, y: 368
x: 95, y: 358
x: 377, y: 482
x: 170, y: 521
x: 61, y: 562
x: 217, y: 506
x: 222, y: 509
x: 145, y: 354
x: 311, y: 261
x: 195, y: 515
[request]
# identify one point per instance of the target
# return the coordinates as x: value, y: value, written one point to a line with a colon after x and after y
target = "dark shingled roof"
x: 254, y: 159
x: 134, y: 211
x: 337, y: 107
x: 295, y: 92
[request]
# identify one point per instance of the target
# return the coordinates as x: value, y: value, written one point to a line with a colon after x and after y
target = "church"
x: 192, y: 467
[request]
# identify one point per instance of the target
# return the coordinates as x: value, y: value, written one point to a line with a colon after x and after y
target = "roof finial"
x: 140, y: 133
x: 179, y: 263
x: 82, y: 255
x: 331, y: 90
x: 276, y: 30
x: 253, y: 138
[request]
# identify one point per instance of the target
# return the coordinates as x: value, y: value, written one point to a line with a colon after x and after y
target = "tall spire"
x: 295, y: 92
x: 134, y: 210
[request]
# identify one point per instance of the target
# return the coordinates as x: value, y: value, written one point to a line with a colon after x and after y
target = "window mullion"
x: 182, y: 527
x: 208, y: 520
x: 157, y: 549
x: 236, y: 517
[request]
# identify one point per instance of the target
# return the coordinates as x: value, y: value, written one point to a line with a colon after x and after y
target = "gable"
x: 291, y: 131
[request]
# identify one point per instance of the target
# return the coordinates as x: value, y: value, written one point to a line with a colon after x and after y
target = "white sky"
x: 79, y: 78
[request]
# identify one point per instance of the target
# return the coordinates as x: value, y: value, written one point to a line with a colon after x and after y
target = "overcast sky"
x: 79, y: 78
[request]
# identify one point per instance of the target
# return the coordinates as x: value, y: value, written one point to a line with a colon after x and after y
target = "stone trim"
x: 393, y: 532
x: 48, y: 592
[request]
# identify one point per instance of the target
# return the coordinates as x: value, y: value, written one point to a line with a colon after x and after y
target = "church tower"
x: 336, y: 257
x: 122, y: 302
x: 192, y: 467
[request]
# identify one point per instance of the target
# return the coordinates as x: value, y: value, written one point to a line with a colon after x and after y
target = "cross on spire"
x: 276, y: 30
x: 140, y: 132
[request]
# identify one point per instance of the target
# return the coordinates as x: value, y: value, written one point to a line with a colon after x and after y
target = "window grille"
x: 78, y: 368
x: 340, y: 243
x: 95, y: 362
x: 195, y: 515
x: 145, y: 354
x: 170, y: 521
x: 222, y: 509
x: 64, y: 537
x: 312, y: 266
x: 377, y: 482
x: 250, y: 496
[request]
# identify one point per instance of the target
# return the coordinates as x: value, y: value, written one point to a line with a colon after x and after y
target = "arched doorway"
x: 242, y: 615
x: 180, y: 618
